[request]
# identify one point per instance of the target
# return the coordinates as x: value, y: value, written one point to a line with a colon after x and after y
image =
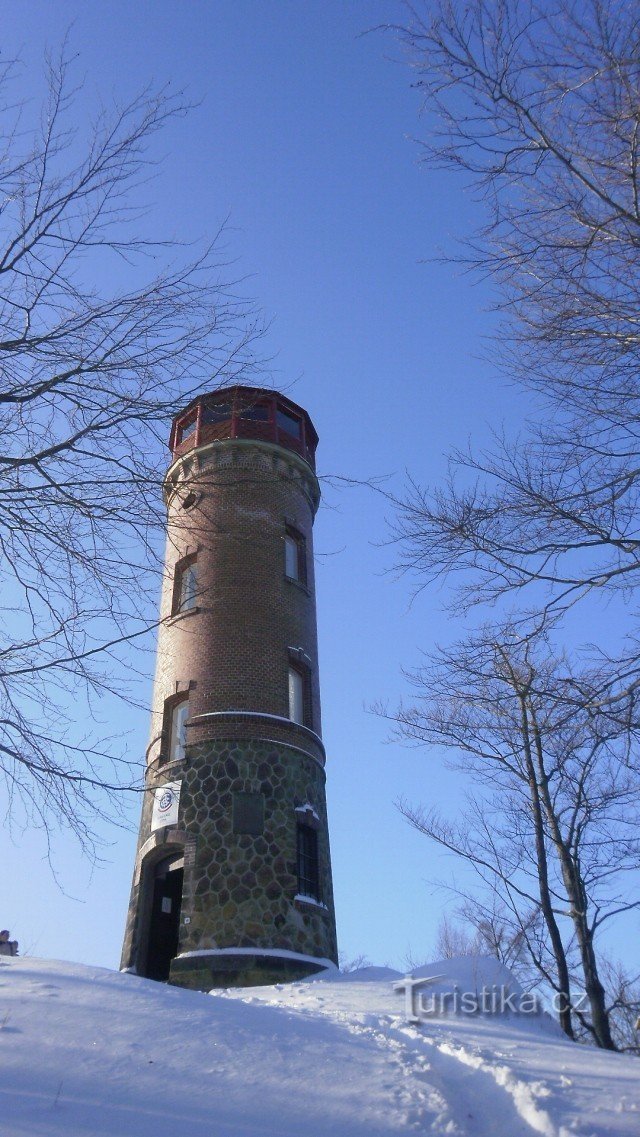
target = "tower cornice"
x: 227, y: 452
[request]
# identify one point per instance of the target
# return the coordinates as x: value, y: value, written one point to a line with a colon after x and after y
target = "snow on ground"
x: 86, y: 1052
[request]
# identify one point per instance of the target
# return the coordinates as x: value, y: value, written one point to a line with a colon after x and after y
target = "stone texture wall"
x: 240, y: 890
x: 245, y: 885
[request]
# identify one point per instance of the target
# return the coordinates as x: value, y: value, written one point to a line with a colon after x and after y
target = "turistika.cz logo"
x: 496, y: 999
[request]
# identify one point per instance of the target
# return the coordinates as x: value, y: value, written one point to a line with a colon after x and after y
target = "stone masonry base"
x: 202, y: 972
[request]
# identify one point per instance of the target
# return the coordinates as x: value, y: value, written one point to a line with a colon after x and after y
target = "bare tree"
x: 553, y: 828
x: 623, y: 991
x: 485, y: 925
x: 538, y: 104
x: 453, y: 939
x: 104, y: 332
x: 355, y: 964
x: 502, y: 936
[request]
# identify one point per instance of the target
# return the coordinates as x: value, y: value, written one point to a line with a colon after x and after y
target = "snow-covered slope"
x: 84, y: 1051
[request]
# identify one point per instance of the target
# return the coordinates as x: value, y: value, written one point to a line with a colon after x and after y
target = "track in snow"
x: 441, y: 1087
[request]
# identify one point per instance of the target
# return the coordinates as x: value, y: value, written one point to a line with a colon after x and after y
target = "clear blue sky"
x: 302, y: 136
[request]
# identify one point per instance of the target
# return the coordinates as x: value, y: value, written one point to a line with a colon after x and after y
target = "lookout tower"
x: 232, y: 879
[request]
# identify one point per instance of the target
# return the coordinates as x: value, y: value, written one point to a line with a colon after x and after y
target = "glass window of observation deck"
x: 216, y: 412
x: 187, y: 428
x: 258, y: 412
x: 288, y: 422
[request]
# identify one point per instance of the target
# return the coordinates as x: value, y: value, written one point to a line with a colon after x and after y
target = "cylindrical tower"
x: 232, y: 880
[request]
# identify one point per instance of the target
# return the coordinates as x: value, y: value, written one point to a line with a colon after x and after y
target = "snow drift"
x: 86, y: 1052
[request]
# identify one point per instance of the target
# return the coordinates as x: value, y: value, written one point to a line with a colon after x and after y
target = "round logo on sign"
x: 166, y: 801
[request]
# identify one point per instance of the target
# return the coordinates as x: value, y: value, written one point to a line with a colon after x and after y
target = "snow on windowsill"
x: 307, y: 809
x: 302, y: 899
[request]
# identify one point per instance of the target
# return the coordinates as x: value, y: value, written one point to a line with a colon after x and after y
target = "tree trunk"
x: 571, y: 877
x: 564, y: 991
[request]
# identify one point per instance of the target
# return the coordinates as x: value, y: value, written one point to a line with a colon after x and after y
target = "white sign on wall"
x: 165, y: 805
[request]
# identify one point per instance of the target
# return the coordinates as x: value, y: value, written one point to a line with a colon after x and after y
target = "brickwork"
x: 230, y: 503
x: 234, y: 647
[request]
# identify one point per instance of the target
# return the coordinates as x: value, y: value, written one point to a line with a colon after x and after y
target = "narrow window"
x: 296, y: 695
x: 295, y: 555
x: 308, y: 874
x: 185, y: 586
x: 299, y: 694
x: 178, y: 713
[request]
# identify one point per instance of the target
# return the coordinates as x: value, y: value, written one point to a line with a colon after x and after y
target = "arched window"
x: 295, y: 555
x: 300, y: 693
x: 185, y: 586
x: 176, y: 713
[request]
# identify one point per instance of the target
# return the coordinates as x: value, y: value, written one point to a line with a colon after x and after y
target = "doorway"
x: 164, y: 921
